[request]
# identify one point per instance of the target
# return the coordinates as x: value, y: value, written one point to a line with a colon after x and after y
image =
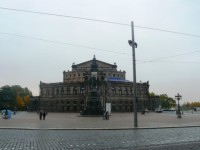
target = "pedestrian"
x: 107, y: 115
x: 104, y: 115
x: 40, y: 115
x: 44, y: 115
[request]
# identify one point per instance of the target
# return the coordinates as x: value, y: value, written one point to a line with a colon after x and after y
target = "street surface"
x: 31, y: 120
x: 63, y: 131
x: 139, y: 139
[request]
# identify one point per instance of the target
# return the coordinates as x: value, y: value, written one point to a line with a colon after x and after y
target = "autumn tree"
x: 195, y: 104
x: 26, y: 100
x: 15, y: 95
x: 20, y: 102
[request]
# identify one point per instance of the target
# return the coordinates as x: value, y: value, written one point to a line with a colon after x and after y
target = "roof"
x: 117, y: 79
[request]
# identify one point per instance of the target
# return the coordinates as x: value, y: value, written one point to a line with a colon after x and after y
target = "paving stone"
x: 143, y: 139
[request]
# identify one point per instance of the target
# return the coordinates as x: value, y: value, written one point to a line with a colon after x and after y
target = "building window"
x: 57, y: 91
x: 126, y: 91
x: 131, y: 90
x: 68, y: 91
x: 75, y: 91
x: 120, y: 91
x: 62, y: 91
x: 47, y: 93
x: 114, y: 91
x: 74, y: 75
x: 79, y: 74
x: 113, y: 75
x: 82, y: 90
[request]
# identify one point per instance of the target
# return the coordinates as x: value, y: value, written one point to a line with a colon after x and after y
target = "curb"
x: 123, y: 128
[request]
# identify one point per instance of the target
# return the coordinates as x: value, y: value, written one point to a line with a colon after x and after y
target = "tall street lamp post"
x: 134, y: 45
x: 178, y: 97
x: 106, y: 91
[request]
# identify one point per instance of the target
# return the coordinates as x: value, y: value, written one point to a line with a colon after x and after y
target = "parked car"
x: 159, y: 110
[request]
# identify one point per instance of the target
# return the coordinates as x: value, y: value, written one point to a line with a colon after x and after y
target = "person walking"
x: 44, y: 115
x: 107, y: 115
x: 40, y: 115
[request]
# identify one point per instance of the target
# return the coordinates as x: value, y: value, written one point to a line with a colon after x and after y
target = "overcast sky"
x: 170, y: 62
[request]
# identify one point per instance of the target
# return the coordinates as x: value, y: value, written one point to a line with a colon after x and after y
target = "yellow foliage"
x: 26, y: 100
x: 20, y: 102
x: 195, y: 104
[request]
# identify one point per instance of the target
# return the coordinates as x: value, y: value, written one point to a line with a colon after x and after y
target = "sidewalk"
x: 30, y: 120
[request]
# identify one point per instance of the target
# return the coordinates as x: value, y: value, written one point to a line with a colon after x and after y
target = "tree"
x: 167, y: 102
x: 186, y: 106
x: 20, y: 102
x: 195, y: 104
x: 12, y: 96
x: 152, y: 94
x: 7, y: 98
x: 26, y: 100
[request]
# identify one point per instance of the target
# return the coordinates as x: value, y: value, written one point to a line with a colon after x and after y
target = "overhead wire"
x: 64, y: 43
x: 66, y: 16
x: 167, y: 57
x: 116, y: 52
x: 97, y: 20
x: 186, y: 62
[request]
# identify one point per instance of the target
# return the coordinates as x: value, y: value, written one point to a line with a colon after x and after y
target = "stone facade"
x: 71, y: 95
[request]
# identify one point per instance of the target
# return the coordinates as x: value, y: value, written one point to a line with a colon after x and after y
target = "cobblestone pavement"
x: 24, y: 131
x: 139, y: 139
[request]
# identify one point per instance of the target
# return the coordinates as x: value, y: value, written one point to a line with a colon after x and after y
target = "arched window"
x: 57, y: 91
x: 75, y: 91
x: 82, y: 90
x: 131, y: 90
x: 47, y: 92
x: 114, y: 91
x: 126, y: 91
x: 68, y: 90
x: 120, y: 91
x: 62, y: 91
